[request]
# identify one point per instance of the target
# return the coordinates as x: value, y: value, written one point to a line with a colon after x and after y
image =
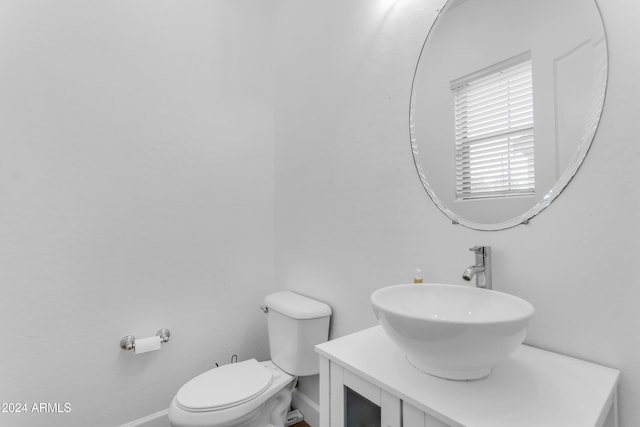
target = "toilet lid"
x: 224, y: 387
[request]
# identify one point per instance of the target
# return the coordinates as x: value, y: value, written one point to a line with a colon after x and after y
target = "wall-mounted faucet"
x: 482, y: 269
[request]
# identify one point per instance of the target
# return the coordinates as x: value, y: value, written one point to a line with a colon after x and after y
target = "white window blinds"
x: 494, y: 132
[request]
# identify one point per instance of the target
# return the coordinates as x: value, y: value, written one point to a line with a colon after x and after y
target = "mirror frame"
x: 562, y: 182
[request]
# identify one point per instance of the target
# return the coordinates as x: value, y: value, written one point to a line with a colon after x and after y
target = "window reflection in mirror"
x: 494, y: 142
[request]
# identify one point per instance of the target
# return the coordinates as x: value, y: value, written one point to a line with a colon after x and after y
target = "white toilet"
x: 258, y: 394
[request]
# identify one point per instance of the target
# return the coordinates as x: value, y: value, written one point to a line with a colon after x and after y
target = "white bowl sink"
x: 452, y: 331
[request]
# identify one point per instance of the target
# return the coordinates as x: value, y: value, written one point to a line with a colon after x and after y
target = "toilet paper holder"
x: 129, y: 342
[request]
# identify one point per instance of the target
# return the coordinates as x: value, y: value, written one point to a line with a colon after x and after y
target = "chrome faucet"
x: 482, y: 269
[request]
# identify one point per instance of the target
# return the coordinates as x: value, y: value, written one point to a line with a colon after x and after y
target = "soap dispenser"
x: 418, y: 278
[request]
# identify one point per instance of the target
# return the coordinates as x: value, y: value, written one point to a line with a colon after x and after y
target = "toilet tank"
x: 296, y: 324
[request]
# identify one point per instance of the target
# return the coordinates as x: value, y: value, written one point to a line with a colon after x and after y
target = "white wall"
x: 136, y: 193
x: 351, y: 215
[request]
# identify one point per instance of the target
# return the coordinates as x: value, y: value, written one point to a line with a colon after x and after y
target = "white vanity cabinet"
x: 366, y: 380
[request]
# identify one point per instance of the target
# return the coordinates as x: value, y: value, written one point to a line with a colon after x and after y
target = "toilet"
x: 252, y: 393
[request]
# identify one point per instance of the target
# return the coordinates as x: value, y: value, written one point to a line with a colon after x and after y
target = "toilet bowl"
x: 252, y: 393
x: 244, y: 394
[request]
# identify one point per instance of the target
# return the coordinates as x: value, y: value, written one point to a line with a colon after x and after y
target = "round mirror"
x: 505, y: 102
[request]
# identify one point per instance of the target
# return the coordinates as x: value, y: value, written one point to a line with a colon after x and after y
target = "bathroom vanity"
x: 365, y: 379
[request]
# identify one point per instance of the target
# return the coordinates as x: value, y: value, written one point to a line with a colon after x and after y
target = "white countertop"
x: 532, y: 388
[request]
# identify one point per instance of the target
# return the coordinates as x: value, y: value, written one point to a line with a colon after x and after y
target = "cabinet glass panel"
x: 360, y: 411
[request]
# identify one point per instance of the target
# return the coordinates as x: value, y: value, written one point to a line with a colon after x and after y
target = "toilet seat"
x: 224, y: 387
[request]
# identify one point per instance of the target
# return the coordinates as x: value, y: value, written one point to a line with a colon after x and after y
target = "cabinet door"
x: 359, y: 410
x: 372, y: 405
x: 355, y: 402
x: 414, y: 417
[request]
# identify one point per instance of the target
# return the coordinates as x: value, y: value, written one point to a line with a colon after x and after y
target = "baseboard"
x: 159, y: 419
x: 309, y: 408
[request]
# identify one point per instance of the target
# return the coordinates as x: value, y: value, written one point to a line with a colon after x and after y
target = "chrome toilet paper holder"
x: 129, y: 342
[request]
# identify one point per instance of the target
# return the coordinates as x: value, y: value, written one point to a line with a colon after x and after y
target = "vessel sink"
x: 452, y: 331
